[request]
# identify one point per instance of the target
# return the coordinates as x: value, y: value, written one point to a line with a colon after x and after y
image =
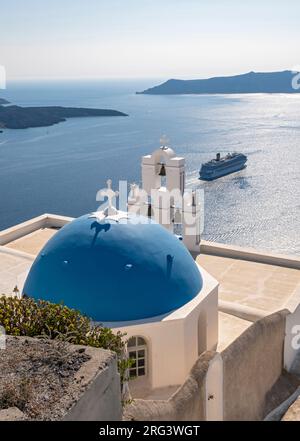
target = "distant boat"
x: 218, y: 167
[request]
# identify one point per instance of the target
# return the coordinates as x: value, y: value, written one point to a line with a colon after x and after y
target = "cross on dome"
x: 133, y: 186
x: 164, y: 141
x: 110, y: 193
x: 134, y: 189
x: 110, y: 210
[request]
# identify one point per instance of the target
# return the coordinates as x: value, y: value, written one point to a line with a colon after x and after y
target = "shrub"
x: 27, y: 317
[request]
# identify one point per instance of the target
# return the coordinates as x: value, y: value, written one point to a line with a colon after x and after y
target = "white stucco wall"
x: 214, y: 390
x: 207, y: 311
x: 165, y: 341
x: 172, y: 339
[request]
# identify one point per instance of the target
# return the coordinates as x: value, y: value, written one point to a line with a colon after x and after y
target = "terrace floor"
x: 230, y: 328
x: 257, y: 285
x: 32, y: 243
x: 13, y: 271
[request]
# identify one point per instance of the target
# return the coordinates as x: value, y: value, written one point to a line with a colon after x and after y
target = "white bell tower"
x: 163, y: 196
x: 163, y: 163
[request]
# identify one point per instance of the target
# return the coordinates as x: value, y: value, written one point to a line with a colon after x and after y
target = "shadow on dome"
x: 169, y: 265
x: 98, y: 228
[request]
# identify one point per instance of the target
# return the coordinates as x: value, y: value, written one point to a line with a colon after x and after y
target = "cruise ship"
x: 221, y: 166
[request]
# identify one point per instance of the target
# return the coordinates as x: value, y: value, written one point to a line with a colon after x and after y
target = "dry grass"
x: 38, y: 376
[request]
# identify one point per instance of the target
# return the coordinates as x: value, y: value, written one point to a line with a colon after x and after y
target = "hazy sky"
x: 147, y: 38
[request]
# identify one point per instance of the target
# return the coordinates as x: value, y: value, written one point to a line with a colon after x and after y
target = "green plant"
x: 27, y: 317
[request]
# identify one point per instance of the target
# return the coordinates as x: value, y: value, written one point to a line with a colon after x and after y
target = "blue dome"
x: 113, y: 271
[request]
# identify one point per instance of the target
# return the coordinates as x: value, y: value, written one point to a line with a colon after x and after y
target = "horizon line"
x: 134, y: 77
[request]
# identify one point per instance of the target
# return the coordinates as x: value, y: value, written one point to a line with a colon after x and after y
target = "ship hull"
x: 216, y: 172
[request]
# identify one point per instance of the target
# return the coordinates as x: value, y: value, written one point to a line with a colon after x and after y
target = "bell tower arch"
x: 163, y: 165
x: 163, y: 197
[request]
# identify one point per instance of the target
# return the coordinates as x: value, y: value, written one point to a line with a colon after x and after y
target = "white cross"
x: 164, y: 141
x: 110, y: 193
x: 110, y: 210
x: 133, y: 189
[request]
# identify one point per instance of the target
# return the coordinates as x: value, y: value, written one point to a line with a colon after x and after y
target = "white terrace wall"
x: 252, y: 255
x: 43, y: 221
x: 252, y: 365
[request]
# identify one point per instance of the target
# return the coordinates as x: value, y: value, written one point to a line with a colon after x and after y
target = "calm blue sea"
x: 59, y: 169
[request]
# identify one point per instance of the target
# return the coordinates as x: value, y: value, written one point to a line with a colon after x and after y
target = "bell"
x: 162, y: 171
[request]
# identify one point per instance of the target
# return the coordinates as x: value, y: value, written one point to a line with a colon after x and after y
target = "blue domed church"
x: 115, y: 271
x: 128, y: 272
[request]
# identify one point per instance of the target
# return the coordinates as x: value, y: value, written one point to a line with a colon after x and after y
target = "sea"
x: 59, y: 169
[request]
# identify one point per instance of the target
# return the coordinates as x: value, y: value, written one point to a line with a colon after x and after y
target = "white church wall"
x: 172, y: 339
x: 214, y: 390
x: 165, y: 343
x: 207, y: 313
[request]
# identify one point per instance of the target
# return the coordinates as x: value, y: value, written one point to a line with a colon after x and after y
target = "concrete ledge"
x: 22, y: 229
x: 235, y: 252
x: 17, y: 253
x: 46, y: 220
x: 101, y: 399
x: 241, y: 311
x: 92, y: 394
x: 57, y: 221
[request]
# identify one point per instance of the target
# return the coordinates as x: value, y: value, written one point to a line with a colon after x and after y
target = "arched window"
x: 162, y: 172
x: 137, y: 351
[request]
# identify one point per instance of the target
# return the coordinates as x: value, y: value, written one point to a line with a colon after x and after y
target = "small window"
x: 131, y: 342
x: 137, y: 352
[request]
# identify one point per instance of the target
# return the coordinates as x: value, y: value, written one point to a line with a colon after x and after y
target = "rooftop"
x: 249, y: 281
x: 258, y: 285
x: 13, y: 270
